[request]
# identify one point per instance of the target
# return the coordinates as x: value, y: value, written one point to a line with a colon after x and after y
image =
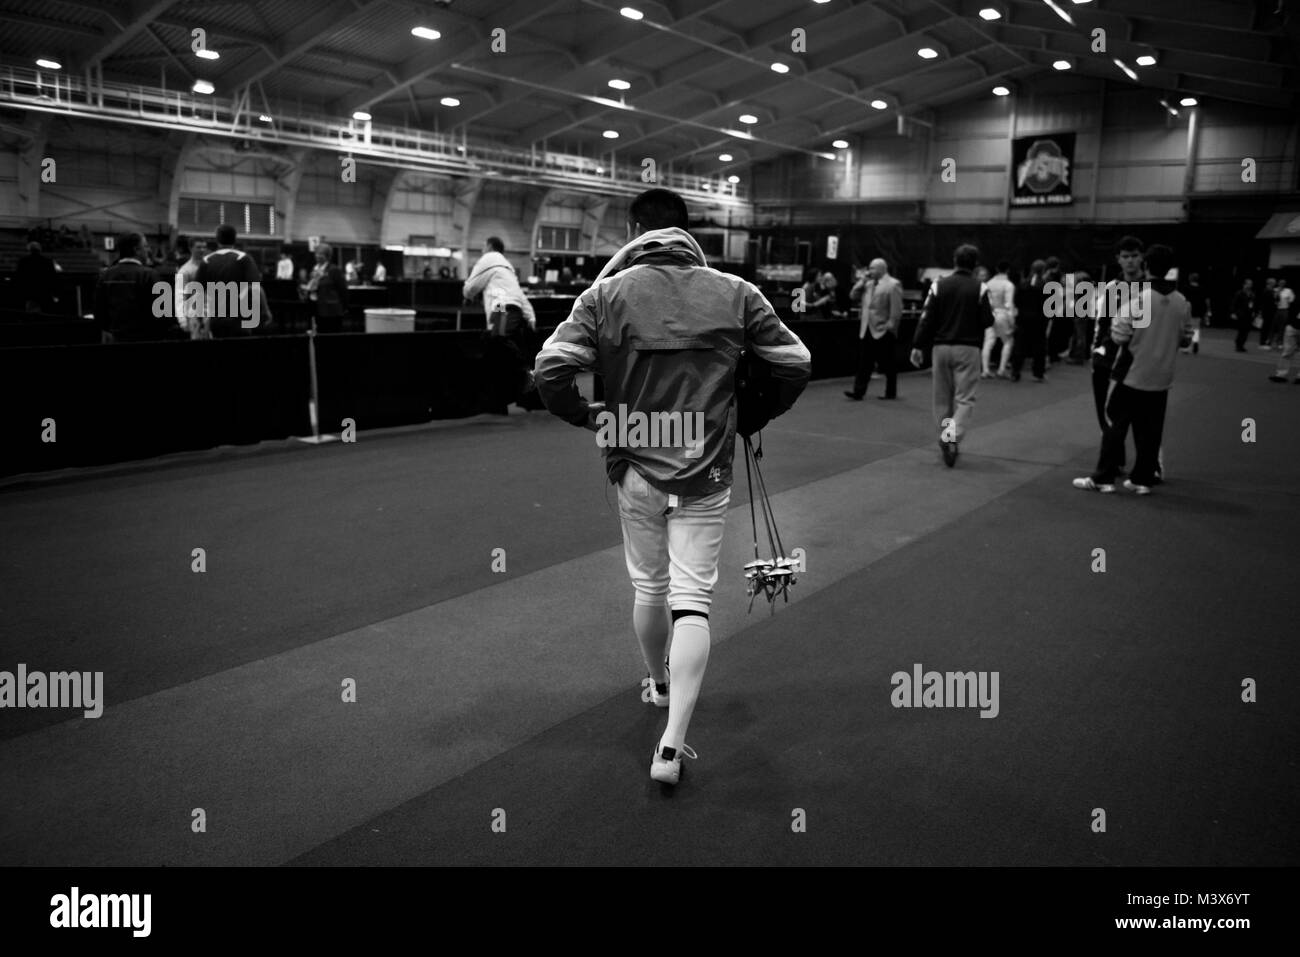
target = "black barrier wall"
x: 127, y: 401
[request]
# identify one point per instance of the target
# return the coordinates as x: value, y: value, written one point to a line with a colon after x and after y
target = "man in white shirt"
x: 284, y: 268
x: 882, y: 309
x: 381, y: 274
x: 504, y: 303
x: 1002, y: 297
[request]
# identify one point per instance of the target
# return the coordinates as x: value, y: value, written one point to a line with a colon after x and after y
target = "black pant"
x: 871, y: 351
x: 1243, y: 329
x: 1100, y: 393
x: 1145, y: 412
x: 1030, y: 333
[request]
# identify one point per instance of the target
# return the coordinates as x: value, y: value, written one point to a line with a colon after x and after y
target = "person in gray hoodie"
x: 666, y: 332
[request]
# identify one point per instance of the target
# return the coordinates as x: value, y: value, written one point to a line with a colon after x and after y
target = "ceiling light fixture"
x: 1059, y: 12
x: 988, y: 13
x: 203, y: 86
x: 449, y: 101
x: 927, y: 53
x: 425, y: 33
x: 620, y: 84
x: 879, y: 105
x: 1061, y: 65
x: 361, y: 115
x: 49, y: 64
x: 780, y: 68
x: 724, y: 157
x: 1146, y: 59
x: 208, y: 55
x: 263, y: 118
x: 1001, y: 91
x: 610, y: 134
x: 840, y: 144
x: 748, y: 118
x: 1187, y: 101
x: 1128, y: 71
x: 632, y: 13
x: 733, y: 179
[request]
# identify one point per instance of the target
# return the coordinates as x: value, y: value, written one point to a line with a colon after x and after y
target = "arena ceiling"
x: 692, y: 68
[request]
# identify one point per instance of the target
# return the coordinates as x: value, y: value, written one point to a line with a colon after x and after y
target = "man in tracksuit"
x: 1144, y: 373
x: 665, y: 331
x: 953, y: 321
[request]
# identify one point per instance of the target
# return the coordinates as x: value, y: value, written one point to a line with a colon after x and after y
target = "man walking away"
x: 953, y: 320
x: 665, y: 332
x: 1144, y: 373
x: 882, y: 310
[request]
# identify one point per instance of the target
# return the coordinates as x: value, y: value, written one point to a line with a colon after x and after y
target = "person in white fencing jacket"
x: 666, y: 332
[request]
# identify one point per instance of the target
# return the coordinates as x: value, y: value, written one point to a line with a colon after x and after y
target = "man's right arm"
x: 570, y: 349
x: 773, y: 342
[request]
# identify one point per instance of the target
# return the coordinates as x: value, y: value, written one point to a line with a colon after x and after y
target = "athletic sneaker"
x: 1088, y: 484
x: 651, y: 694
x: 1276, y: 378
x: 1140, y: 489
x: 666, y: 763
x: 949, y: 450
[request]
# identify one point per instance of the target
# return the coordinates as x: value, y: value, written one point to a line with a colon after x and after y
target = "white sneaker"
x: 650, y: 694
x: 1139, y: 489
x: 1089, y: 485
x: 667, y: 769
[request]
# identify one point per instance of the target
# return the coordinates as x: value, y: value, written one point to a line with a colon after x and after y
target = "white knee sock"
x: 651, y: 623
x: 690, y: 657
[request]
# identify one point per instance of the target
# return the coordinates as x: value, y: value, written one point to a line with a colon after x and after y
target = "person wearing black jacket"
x: 34, y: 276
x: 125, y: 298
x: 230, y: 265
x: 1243, y: 312
x: 953, y: 321
x: 328, y: 291
x: 1031, y: 325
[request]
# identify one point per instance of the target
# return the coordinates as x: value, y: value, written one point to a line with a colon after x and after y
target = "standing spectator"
x: 882, y: 310
x: 34, y: 277
x: 1031, y: 324
x: 1267, y: 306
x: 328, y: 291
x: 284, y: 267
x: 953, y: 320
x: 1198, y: 300
x: 84, y: 239
x: 1061, y: 329
x: 1285, y: 368
x: 1243, y: 312
x: 231, y: 265
x: 353, y: 272
x: 193, y: 306
x: 1143, y: 373
x: 1132, y: 271
x: 381, y: 273
x: 672, y: 501
x: 126, y: 306
x: 1282, y: 312
x: 1002, y: 299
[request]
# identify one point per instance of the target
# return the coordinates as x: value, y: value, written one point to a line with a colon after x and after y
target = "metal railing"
x: 400, y: 147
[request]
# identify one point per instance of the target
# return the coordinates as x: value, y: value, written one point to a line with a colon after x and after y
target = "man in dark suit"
x: 128, y: 306
x: 232, y: 310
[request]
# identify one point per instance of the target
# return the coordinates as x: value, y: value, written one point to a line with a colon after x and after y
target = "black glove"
x: 756, y: 394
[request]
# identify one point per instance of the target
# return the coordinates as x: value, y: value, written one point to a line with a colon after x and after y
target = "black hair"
x: 658, y: 209
x: 1129, y: 244
x: 495, y: 244
x: 966, y: 256
x: 128, y: 244
x: 1004, y: 265
x: 226, y: 235
x: 1160, y: 259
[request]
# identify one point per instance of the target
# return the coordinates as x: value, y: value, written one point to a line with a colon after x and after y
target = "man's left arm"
x: 570, y: 349
x: 895, y: 306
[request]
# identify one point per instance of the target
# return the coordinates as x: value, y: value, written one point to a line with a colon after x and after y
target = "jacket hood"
x: 671, y: 240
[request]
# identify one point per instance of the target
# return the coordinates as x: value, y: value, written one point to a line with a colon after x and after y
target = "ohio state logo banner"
x: 1042, y: 170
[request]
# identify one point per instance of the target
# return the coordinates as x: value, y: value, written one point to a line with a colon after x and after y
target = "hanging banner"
x: 832, y: 247
x: 1042, y: 169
